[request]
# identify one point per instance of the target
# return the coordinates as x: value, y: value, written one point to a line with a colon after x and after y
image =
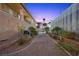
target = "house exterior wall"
x: 8, y: 24
x: 10, y: 19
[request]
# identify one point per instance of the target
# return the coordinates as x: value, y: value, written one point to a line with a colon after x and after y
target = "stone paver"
x: 42, y: 45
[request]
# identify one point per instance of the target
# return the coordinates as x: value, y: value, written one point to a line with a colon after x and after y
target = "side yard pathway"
x: 42, y: 45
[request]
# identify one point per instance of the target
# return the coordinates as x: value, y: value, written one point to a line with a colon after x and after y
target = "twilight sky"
x: 49, y: 11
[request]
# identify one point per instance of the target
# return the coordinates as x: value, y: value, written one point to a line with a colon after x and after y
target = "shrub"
x: 61, y: 32
x: 56, y: 30
x: 33, y: 31
x: 46, y: 29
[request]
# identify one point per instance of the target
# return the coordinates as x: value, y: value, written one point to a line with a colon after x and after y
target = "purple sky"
x: 49, y: 11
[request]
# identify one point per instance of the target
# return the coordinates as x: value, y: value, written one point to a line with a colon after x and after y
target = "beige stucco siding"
x: 8, y: 24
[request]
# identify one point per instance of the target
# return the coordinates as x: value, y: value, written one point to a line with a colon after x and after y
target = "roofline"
x: 27, y: 11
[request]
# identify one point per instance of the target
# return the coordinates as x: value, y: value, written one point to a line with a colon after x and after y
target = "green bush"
x: 33, y: 31
x: 61, y: 32
x: 56, y: 30
x: 46, y: 29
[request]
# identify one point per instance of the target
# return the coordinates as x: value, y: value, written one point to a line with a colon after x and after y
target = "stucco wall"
x: 8, y: 25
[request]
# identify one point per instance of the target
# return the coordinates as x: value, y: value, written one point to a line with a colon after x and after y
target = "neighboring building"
x: 12, y: 15
x: 41, y: 26
x: 69, y: 20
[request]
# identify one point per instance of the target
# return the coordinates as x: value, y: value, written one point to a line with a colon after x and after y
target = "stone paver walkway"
x: 42, y: 45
